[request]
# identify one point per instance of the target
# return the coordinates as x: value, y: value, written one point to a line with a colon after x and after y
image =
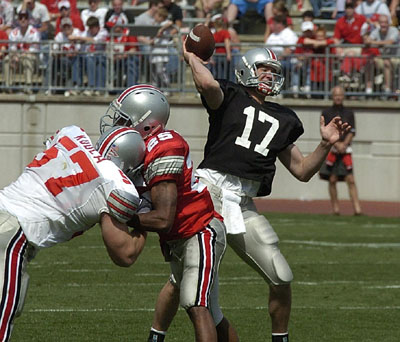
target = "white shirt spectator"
x: 101, y: 36
x: 64, y: 43
x: 368, y: 9
x: 26, y: 41
x: 38, y: 15
x: 286, y: 37
x: 100, y: 14
x: 392, y: 34
x: 6, y: 13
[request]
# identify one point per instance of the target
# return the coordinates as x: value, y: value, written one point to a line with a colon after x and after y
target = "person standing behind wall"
x: 338, y: 165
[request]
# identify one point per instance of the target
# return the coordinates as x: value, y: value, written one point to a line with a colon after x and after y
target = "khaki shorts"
x: 380, y: 62
x: 195, y: 262
x: 219, y: 5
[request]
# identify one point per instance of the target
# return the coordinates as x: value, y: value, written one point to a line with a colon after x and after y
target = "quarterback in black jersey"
x: 246, y: 135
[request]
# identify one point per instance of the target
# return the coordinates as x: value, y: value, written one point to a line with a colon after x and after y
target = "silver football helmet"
x: 246, y: 71
x: 142, y: 107
x: 124, y: 146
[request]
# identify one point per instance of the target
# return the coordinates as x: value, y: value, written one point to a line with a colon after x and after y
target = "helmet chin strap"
x: 264, y: 89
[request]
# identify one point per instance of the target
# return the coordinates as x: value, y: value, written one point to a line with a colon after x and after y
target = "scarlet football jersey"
x: 168, y: 158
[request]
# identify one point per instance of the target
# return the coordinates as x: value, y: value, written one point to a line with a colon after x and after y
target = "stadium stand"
x: 251, y: 28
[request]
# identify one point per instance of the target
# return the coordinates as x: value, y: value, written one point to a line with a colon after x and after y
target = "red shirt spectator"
x: 52, y: 6
x: 305, y: 48
x: 3, y: 46
x: 350, y: 30
x: 65, y: 11
x: 318, y: 64
x: 124, y: 42
x: 219, y: 37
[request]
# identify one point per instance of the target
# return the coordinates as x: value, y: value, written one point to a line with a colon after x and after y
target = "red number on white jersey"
x: 56, y: 185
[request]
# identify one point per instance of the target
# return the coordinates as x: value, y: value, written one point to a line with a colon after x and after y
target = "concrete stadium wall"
x: 25, y: 122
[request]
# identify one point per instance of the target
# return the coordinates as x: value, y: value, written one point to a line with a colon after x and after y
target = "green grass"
x: 346, y: 287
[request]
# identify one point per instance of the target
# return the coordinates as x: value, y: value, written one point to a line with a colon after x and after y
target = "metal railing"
x: 101, y: 68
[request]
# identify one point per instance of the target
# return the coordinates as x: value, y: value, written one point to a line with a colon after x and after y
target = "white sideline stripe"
x: 223, y: 308
x: 236, y: 281
x: 341, y: 244
x: 384, y: 287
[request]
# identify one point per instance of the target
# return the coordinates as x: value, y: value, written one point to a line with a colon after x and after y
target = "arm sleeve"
x: 122, y: 204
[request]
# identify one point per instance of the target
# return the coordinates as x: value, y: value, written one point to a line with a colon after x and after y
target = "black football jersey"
x: 245, y: 137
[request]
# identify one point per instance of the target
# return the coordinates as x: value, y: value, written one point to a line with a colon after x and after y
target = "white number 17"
x: 244, y: 141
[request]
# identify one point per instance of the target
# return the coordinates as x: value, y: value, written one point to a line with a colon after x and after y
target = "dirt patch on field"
x: 369, y: 208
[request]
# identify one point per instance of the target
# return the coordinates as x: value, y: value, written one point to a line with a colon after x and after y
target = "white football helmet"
x: 142, y: 107
x: 246, y: 71
x: 124, y: 146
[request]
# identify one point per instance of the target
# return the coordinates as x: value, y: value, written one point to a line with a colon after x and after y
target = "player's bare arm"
x: 161, y: 218
x: 122, y: 246
x: 204, y: 80
x: 303, y: 168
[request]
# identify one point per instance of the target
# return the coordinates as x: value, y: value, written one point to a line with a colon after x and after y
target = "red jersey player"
x: 192, y: 234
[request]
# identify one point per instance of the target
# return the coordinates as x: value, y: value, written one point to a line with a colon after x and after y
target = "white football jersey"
x: 64, y: 190
x: 64, y: 43
x: 24, y: 41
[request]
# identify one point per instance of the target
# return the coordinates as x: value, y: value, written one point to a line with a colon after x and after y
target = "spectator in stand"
x: 53, y: 6
x: 235, y: 51
x: 318, y: 64
x: 394, y: 11
x: 368, y: 8
x: 221, y: 60
x: 383, y: 36
x: 205, y: 8
x: 65, y: 9
x: 348, y: 31
x: 39, y: 16
x: 6, y: 16
x: 160, y: 58
x: 309, y: 16
x: 126, y: 59
x: 282, y: 41
x: 237, y: 8
x: 94, y: 39
x: 148, y: 18
x: 338, y: 165
x: 302, y: 66
x: 318, y: 5
x: 94, y: 11
x: 3, y: 46
x: 68, y: 60
x: 23, y: 54
x: 338, y: 12
x: 278, y: 8
x: 117, y: 14
x: 174, y: 12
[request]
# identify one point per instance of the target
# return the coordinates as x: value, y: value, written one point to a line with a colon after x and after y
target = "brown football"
x: 201, y: 42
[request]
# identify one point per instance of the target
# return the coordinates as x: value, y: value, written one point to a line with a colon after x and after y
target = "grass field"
x: 346, y: 287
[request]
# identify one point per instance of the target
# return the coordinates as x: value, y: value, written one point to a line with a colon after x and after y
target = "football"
x: 201, y: 42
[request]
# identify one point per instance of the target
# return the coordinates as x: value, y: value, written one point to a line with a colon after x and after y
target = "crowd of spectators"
x: 309, y: 53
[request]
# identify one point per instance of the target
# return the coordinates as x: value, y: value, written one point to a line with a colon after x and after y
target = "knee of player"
x: 283, y: 272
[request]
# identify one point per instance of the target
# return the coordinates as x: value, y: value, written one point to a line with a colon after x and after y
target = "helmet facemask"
x: 272, y: 84
x: 114, y: 117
